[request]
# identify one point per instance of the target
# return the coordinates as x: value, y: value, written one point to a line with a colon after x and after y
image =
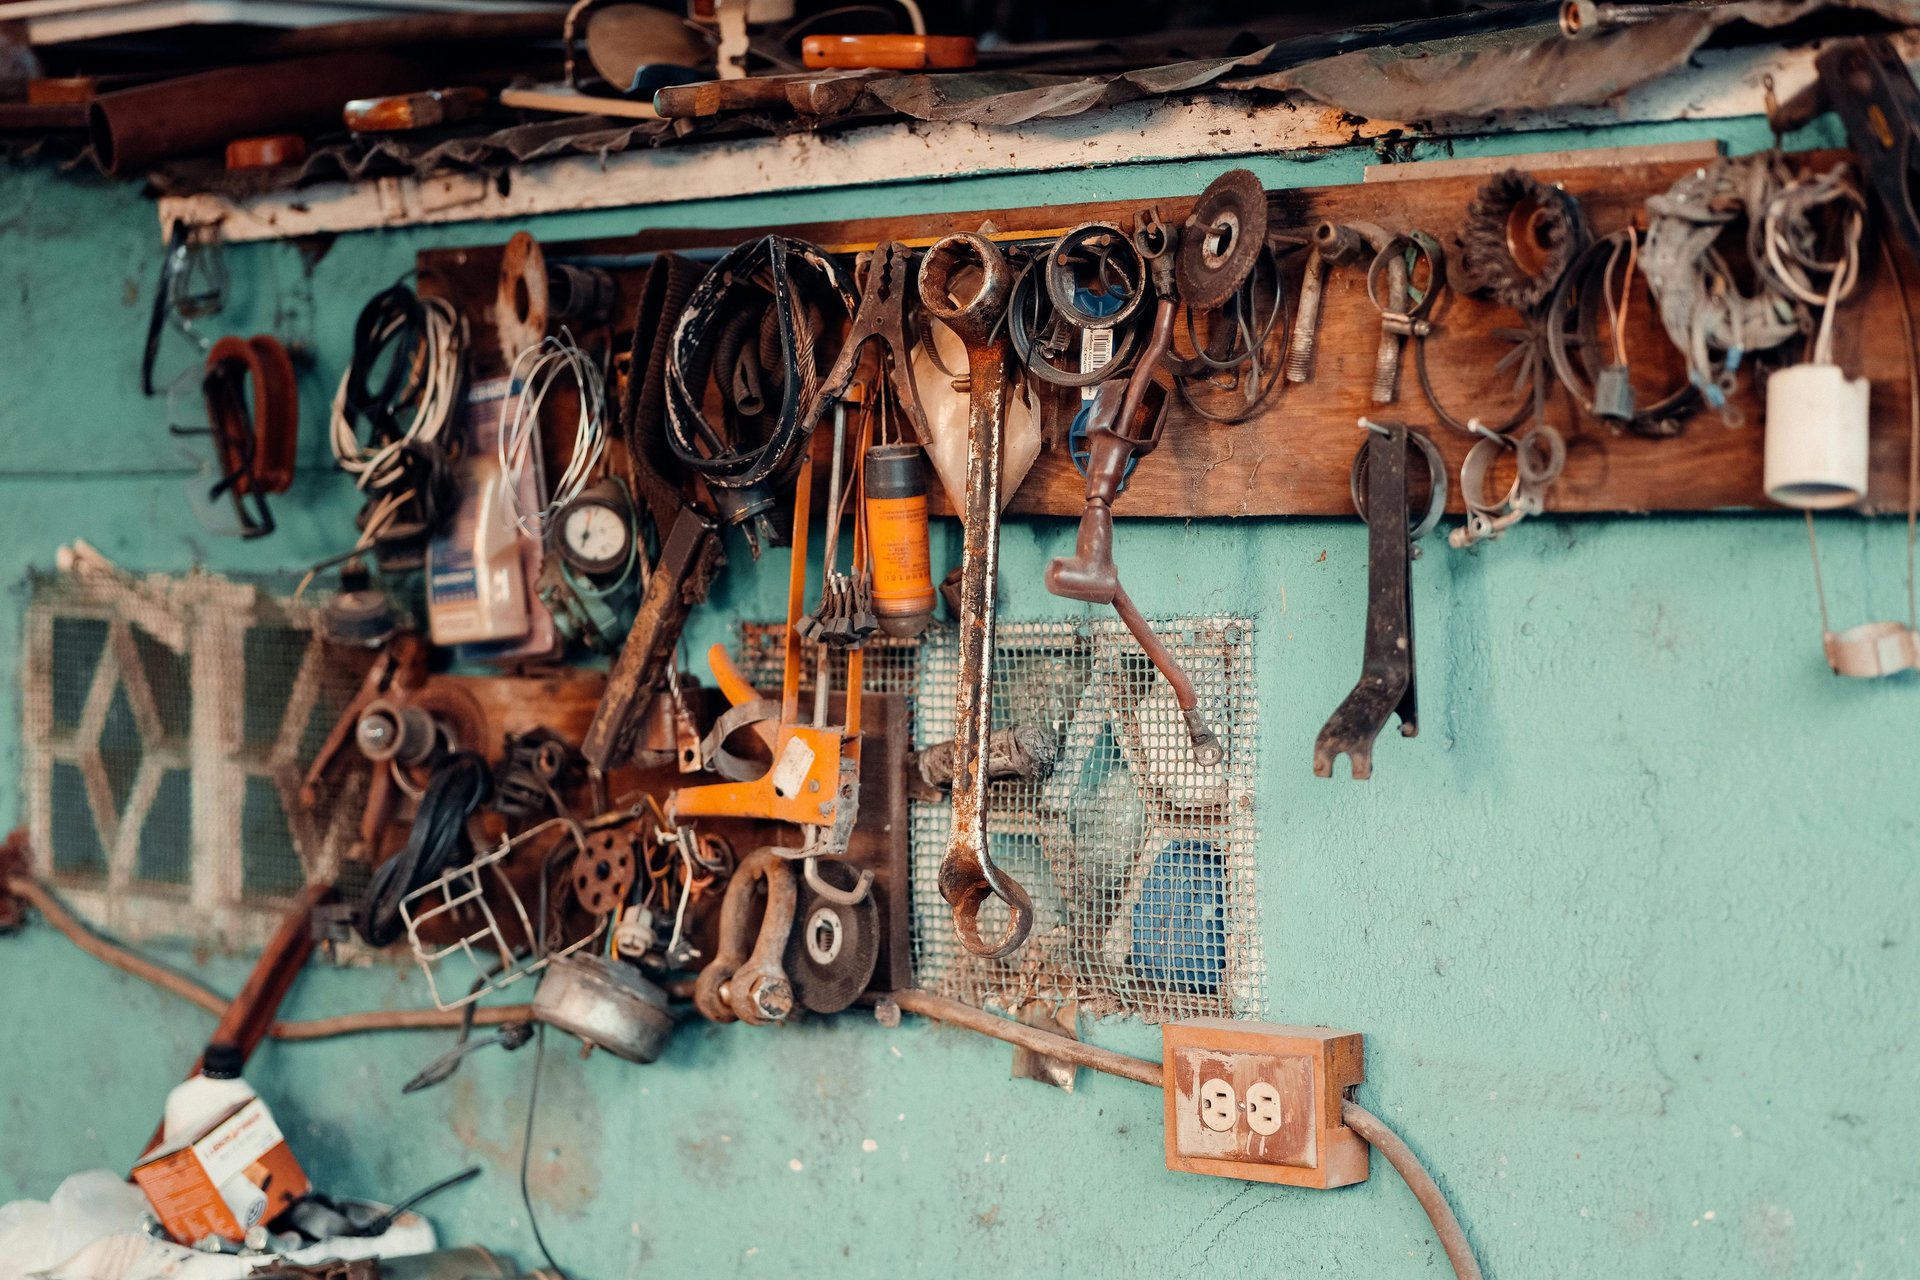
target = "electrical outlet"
x: 1262, y: 1102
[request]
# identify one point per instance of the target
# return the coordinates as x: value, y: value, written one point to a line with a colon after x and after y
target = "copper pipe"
x: 212, y: 1002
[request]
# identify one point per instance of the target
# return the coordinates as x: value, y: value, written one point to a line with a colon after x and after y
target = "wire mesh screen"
x: 1139, y: 860
x: 167, y: 724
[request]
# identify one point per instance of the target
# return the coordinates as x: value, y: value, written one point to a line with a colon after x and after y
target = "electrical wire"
x: 436, y: 842
x: 535, y: 372
x: 1376, y: 1132
x: 1700, y: 302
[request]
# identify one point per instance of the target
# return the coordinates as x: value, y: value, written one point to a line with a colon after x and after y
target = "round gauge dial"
x: 595, y: 537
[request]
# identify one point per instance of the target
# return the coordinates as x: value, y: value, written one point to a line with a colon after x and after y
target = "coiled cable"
x: 404, y: 469
x: 1701, y: 305
x: 436, y: 843
x: 801, y: 279
x: 535, y: 372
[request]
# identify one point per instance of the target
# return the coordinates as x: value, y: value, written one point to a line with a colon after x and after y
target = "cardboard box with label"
x: 236, y: 1175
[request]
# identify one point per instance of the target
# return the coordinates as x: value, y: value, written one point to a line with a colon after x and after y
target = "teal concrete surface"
x: 1629, y: 927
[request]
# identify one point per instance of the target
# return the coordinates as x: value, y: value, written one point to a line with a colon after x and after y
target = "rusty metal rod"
x: 941, y: 1009
x: 212, y: 1002
x: 132, y: 129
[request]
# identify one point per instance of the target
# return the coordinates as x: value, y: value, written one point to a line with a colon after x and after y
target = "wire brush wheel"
x: 1519, y: 238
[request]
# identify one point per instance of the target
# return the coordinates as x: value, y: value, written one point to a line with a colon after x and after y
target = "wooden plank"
x: 1294, y: 458
x: 565, y: 101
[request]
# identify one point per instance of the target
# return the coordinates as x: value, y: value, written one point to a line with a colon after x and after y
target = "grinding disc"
x: 833, y: 949
x: 603, y: 872
x: 1222, y: 239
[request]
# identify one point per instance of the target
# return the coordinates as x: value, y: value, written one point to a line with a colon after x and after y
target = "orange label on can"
x: 897, y: 543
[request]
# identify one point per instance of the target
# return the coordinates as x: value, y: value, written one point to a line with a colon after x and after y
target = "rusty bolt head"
x: 772, y: 997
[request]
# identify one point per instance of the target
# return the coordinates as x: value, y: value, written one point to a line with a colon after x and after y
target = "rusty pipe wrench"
x: 1386, y: 685
x: 1113, y: 441
x: 965, y: 283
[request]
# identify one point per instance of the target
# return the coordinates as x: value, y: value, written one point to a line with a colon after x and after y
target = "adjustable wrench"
x: 968, y: 876
x: 1386, y: 685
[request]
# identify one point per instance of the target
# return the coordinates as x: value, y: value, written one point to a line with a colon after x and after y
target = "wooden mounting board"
x: 1294, y: 457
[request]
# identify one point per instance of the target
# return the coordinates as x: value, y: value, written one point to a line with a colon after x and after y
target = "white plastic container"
x: 1816, y: 437
x: 194, y: 1105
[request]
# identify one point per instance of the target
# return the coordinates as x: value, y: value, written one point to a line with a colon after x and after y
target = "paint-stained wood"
x: 1294, y: 457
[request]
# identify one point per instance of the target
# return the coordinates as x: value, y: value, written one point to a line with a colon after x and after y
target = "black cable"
x: 539, y: 1061
x: 1027, y: 315
x: 799, y: 278
x: 380, y: 1224
x: 437, y: 841
x: 1245, y: 356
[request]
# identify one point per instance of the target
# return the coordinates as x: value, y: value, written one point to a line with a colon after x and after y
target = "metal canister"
x: 896, y: 505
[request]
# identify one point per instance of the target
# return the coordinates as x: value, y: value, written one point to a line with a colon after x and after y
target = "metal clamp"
x: 1539, y: 457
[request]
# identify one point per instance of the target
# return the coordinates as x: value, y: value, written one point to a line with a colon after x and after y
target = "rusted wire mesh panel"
x: 1139, y: 860
x: 167, y: 722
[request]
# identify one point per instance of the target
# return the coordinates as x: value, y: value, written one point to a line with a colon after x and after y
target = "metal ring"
x: 1436, y: 471
x: 1063, y: 285
x: 1541, y: 456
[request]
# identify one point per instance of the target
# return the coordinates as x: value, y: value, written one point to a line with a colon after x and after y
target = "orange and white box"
x: 237, y: 1175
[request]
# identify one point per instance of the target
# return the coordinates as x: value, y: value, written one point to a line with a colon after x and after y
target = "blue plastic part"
x: 1180, y: 920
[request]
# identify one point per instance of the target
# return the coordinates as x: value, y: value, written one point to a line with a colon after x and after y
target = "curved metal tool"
x: 1386, y: 685
x: 1113, y: 443
x: 751, y: 985
x: 965, y: 283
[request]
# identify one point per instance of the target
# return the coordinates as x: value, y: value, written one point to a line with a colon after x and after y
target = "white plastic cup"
x: 1816, y: 437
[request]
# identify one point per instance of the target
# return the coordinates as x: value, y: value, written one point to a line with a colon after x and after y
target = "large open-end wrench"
x: 1386, y: 685
x: 965, y: 283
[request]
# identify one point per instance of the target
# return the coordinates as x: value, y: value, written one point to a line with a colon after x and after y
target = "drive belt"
x: 253, y: 413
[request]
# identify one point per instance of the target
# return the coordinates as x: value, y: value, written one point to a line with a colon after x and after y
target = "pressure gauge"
x: 596, y: 530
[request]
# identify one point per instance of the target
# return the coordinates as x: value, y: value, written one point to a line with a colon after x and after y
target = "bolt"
x: 771, y: 997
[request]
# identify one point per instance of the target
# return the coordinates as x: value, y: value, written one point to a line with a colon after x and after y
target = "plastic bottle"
x: 195, y: 1105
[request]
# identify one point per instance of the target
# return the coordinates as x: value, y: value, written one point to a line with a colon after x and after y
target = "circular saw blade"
x: 834, y: 947
x: 1221, y: 240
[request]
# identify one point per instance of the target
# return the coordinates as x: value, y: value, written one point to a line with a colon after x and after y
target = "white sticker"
x: 790, y: 771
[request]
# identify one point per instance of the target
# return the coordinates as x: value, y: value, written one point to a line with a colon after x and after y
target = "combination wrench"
x: 965, y: 283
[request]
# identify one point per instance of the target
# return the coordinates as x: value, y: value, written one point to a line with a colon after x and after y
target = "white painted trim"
x: 1722, y: 83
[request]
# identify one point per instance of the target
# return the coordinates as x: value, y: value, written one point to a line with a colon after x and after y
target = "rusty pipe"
x: 131, y: 129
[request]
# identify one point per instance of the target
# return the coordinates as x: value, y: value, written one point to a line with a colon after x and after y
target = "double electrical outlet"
x: 1262, y: 1102
x: 1220, y: 1108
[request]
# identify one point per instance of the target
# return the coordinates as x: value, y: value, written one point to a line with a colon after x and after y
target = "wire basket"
x: 484, y: 955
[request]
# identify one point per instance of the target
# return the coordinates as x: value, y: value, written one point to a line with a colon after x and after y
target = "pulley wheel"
x: 1221, y: 240
x: 833, y: 948
x: 603, y: 872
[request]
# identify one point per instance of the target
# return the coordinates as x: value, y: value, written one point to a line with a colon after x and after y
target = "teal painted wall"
x: 1629, y: 927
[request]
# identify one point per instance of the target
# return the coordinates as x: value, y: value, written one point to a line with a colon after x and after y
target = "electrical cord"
x: 1377, y: 1133
x: 436, y: 842
x: 1701, y: 305
x: 1572, y: 320
x: 535, y: 371
x: 115, y: 956
x: 419, y: 347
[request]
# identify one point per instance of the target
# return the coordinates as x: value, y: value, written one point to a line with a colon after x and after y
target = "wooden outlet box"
x: 1261, y: 1102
